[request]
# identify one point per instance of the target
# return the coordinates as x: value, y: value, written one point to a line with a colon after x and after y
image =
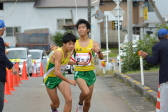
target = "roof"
x: 64, y: 3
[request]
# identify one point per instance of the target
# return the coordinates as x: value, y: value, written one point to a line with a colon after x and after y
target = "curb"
x: 143, y: 90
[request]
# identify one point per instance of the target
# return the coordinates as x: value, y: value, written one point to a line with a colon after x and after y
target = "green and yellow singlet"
x: 82, y: 54
x: 50, y: 68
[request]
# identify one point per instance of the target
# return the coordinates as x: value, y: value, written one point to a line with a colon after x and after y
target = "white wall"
x: 28, y: 17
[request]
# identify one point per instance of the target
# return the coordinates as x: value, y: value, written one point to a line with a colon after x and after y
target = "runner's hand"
x: 96, y: 49
x: 72, y: 82
x: 84, y: 63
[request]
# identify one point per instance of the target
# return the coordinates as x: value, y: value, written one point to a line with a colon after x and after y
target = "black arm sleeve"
x: 155, y: 58
x: 3, y: 59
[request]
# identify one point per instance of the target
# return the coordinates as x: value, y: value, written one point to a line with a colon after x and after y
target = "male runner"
x: 55, y: 78
x: 84, y: 75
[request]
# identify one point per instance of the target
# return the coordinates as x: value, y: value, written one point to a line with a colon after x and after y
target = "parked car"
x: 20, y: 55
x: 39, y: 56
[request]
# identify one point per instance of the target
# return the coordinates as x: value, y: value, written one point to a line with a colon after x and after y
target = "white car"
x: 39, y: 56
x: 20, y: 55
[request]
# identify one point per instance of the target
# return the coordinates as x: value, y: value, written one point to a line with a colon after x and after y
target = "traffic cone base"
x: 12, y: 89
x: 5, y: 101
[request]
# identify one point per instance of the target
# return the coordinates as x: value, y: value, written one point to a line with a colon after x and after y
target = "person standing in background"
x: 4, y: 62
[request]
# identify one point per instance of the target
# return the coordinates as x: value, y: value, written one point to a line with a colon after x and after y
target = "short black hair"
x: 67, y: 37
x: 83, y: 21
x: 162, y: 37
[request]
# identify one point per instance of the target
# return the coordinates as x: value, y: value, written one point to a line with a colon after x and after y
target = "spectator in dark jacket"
x: 160, y: 56
x: 4, y: 62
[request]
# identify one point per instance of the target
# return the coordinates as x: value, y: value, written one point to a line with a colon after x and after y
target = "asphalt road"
x: 110, y: 95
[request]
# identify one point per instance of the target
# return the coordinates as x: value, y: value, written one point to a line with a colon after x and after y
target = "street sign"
x: 115, y: 12
x: 99, y: 14
x: 145, y: 13
x: 116, y: 1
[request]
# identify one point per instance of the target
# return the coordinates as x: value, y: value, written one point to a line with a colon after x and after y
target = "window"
x: 147, y: 4
x: 115, y: 25
x: 11, y: 31
x: 1, y: 6
x: 61, y: 22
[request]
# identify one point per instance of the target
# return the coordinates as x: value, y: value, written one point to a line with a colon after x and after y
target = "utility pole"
x: 129, y: 30
x: 89, y: 15
x: 157, y: 12
x: 89, y: 11
x: 129, y: 19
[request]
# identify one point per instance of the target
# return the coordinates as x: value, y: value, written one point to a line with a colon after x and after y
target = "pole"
x: 142, y: 73
x: 89, y: 11
x: 119, y: 35
x: 107, y: 49
x: 129, y: 19
x: 89, y: 15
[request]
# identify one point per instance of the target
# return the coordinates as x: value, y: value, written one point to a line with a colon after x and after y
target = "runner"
x: 84, y: 75
x: 55, y: 77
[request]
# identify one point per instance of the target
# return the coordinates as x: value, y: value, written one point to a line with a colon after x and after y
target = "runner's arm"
x: 58, y: 57
x: 97, y: 49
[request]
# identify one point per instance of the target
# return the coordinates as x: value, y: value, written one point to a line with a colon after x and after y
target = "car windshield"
x: 35, y: 54
x: 16, y: 54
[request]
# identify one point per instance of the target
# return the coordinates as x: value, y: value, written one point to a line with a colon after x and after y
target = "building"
x: 140, y: 25
x: 54, y: 15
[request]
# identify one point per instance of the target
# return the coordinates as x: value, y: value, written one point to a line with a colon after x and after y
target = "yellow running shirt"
x: 50, y: 68
x: 82, y: 54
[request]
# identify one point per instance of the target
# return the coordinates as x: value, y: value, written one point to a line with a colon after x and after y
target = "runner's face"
x: 69, y: 46
x: 82, y: 30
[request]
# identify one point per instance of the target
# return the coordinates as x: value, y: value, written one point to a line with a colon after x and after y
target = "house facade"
x: 54, y: 15
x: 140, y: 26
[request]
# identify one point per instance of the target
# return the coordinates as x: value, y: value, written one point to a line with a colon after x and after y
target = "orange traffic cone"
x: 158, y: 100
x: 24, y: 73
x: 15, y: 81
x: 7, y: 90
x: 5, y: 101
x: 18, y: 76
x: 10, y: 79
x: 34, y: 70
x: 41, y: 70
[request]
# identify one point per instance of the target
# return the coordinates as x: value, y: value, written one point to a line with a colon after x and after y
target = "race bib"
x: 81, y: 57
x: 63, y: 68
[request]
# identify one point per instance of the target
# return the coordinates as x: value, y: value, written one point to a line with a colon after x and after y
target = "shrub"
x: 132, y: 62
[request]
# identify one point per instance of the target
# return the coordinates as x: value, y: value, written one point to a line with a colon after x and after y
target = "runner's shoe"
x: 54, y: 110
x: 79, y: 108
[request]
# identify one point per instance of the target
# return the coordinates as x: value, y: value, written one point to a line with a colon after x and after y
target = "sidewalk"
x: 151, y: 81
x: 148, y: 90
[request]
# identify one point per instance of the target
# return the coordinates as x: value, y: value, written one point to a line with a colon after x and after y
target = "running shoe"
x: 79, y: 108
